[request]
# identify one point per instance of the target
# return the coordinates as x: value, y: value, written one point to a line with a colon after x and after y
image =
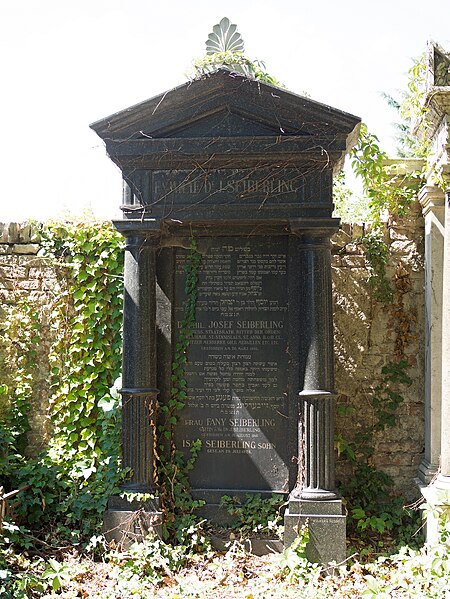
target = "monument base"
x: 326, y: 526
x: 214, y: 512
x: 126, y: 522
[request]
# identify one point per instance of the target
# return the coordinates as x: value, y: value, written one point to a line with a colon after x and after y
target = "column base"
x: 128, y: 521
x: 437, y: 494
x: 326, y: 526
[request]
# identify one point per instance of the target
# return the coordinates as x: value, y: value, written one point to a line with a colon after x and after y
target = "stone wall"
x: 27, y: 277
x: 370, y: 334
x: 366, y: 331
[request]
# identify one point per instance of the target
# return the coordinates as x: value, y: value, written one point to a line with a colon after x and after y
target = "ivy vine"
x: 73, y: 478
x: 388, y: 194
x: 173, y: 468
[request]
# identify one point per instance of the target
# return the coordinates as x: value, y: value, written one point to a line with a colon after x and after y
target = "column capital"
x: 147, y: 228
x: 314, y: 227
x: 141, y: 241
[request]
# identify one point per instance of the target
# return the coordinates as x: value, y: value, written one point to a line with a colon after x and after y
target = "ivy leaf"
x: 107, y: 404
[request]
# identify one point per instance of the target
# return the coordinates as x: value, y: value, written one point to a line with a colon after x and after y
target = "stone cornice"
x: 431, y: 198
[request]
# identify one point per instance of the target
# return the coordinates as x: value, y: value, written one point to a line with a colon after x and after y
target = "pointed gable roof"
x: 227, y: 104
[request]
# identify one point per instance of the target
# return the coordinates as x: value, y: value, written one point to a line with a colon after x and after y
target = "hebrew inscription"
x: 237, y: 365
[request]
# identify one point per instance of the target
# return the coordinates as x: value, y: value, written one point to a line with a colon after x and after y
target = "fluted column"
x: 316, y: 430
x: 139, y: 362
x: 314, y: 501
x: 316, y: 479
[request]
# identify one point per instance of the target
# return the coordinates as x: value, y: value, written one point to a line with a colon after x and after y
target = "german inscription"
x: 224, y: 185
x: 237, y: 366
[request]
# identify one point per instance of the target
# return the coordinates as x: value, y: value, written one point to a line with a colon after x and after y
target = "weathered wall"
x: 370, y: 334
x: 27, y: 277
x: 367, y: 333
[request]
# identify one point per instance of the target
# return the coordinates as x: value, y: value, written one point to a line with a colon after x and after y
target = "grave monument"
x: 245, y: 170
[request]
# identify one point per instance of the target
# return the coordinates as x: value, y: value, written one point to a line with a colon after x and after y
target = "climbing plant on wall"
x: 80, y: 468
x: 389, y: 193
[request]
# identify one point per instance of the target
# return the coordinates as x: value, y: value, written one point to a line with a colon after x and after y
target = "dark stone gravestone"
x: 245, y: 169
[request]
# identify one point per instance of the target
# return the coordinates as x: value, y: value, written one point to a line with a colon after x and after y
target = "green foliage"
x: 439, y: 509
x: 412, y: 106
x: 410, y: 573
x: 70, y: 482
x: 368, y: 493
x: 60, y: 574
x: 25, y: 329
x: 48, y: 493
x: 376, y: 253
x: 255, y: 515
x: 148, y: 563
x: 10, y: 457
x: 235, y: 62
x: 21, y: 327
x: 349, y: 206
x: 375, y: 510
x: 20, y: 585
x: 385, y: 191
x: 412, y: 111
x: 385, y: 400
x: 384, y: 403
x: 85, y: 361
x: 295, y: 567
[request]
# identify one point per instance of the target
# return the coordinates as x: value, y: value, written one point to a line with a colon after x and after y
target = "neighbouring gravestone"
x: 245, y: 169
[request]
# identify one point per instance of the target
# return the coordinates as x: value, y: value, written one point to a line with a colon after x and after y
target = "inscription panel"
x: 237, y: 365
x: 221, y: 186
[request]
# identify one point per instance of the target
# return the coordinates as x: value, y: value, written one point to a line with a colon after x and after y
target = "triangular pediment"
x: 226, y: 121
x: 225, y: 104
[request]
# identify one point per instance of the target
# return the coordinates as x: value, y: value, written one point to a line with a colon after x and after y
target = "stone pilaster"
x: 139, y: 362
x: 432, y: 202
x: 438, y: 492
x: 316, y: 376
x: 445, y: 406
x: 314, y: 499
x: 131, y: 520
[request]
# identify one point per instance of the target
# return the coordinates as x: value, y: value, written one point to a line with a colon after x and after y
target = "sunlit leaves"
x: 84, y: 362
x: 386, y: 192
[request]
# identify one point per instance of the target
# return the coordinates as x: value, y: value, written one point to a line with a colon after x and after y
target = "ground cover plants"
x: 155, y: 569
